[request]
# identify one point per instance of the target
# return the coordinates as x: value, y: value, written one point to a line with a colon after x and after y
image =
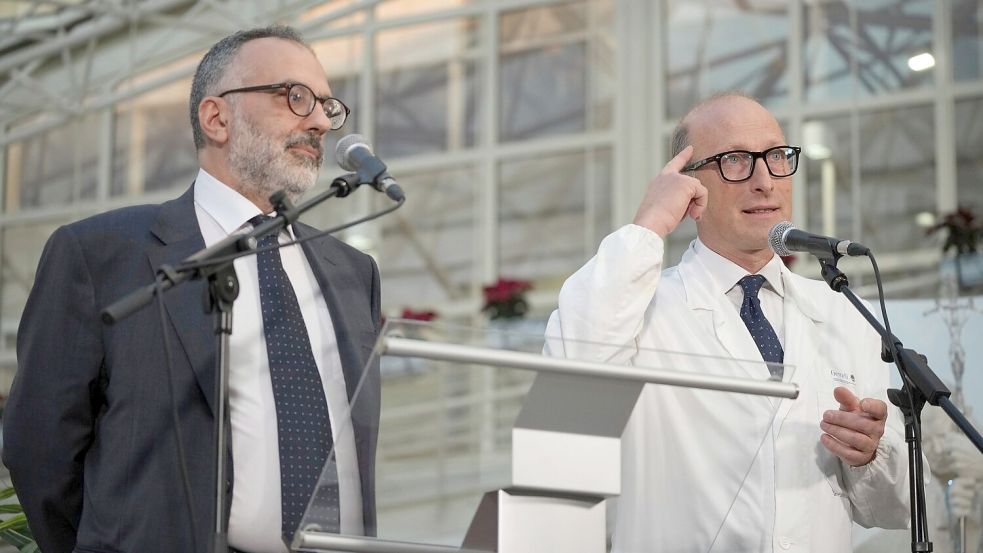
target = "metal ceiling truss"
x: 62, y: 60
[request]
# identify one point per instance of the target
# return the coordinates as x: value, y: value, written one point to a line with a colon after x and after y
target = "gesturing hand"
x: 853, y: 432
x: 671, y: 196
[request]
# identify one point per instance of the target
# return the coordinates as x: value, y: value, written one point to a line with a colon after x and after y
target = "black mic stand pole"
x: 223, y: 289
x: 921, y: 385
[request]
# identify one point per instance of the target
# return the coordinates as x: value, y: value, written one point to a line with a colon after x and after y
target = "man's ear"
x: 213, y: 116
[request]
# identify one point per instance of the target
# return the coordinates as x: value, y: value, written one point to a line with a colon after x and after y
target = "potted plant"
x: 13, y: 528
x: 506, y: 299
x: 964, y: 232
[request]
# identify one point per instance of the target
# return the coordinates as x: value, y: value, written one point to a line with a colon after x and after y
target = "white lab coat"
x: 714, y: 471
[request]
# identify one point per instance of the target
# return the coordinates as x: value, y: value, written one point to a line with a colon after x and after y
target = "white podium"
x: 561, y: 454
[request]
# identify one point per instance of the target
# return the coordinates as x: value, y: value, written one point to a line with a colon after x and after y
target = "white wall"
x: 927, y: 334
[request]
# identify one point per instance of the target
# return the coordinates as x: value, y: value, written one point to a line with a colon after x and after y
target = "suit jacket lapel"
x: 325, y: 271
x: 364, y: 409
x: 177, y: 229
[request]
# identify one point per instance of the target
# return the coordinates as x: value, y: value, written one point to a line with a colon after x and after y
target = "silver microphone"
x: 354, y: 154
x: 784, y: 238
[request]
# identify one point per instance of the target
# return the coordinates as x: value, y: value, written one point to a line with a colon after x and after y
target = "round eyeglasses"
x: 301, y: 100
x: 738, y: 165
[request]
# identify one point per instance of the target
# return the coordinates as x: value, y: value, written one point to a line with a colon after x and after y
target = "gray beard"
x: 264, y: 167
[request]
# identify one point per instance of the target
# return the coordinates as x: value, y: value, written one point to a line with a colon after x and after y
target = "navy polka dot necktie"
x: 761, y: 330
x: 303, y: 424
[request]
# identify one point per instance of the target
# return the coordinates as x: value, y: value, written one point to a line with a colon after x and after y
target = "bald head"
x: 682, y: 135
x: 738, y: 213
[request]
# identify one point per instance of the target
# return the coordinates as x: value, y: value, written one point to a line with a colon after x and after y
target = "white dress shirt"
x: 254, y: 524
x: 725, y: 274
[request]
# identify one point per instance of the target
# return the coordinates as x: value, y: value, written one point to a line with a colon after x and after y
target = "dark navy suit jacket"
x: 88, y: 432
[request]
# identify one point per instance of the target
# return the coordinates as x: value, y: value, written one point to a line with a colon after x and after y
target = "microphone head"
x: 776, y: 237
x: 344, y: 146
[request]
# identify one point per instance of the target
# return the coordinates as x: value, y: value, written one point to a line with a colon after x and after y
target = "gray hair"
x: 680, y: 135
x: 212, y: 69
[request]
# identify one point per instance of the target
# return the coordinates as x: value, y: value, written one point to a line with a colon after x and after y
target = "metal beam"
x: 85, y: 32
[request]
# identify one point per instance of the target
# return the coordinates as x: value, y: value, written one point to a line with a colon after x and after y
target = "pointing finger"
x: 699, y: 202
x: 677, y: 163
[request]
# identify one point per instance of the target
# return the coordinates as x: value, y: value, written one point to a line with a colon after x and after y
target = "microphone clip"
x: 832, y: 275
x: 346, y: 183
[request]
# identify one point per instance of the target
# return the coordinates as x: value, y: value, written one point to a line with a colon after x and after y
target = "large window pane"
x: 969, y: 144
x: 967, y: 35
x: 342, y: 61
x: 154, y: 149
x: 390, y: 9
x: 519, y: 28
x: 863, y: 48
x: 827, y: 174
x: 427, y: 88
x: 543, y: 92
x: 330, y: 15
x: 556, y: 70
x: 713, y: 46
x: 55, y: 168
x: 828, y: 52
x: 897, y: 175
x: 427, y: 249
x: 21, y: 249
x: 553, y: 210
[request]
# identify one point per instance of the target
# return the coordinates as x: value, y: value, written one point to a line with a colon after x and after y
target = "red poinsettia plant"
x: 964, y: 231
x: 506, y: 298
x: 422, y: 315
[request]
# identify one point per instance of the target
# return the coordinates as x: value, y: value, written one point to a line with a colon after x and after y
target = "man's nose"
x: 761, y: 179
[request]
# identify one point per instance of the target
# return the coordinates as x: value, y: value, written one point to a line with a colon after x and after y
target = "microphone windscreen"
x: 344, y: 145
x: 776, y: 237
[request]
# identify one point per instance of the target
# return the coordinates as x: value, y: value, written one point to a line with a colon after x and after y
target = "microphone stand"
x: 920, y: 385
x: 216, y: 264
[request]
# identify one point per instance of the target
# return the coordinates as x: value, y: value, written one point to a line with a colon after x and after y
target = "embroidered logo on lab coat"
x: 843, y: 377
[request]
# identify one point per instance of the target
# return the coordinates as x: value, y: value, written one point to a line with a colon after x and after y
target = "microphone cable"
x: 892, y: 350
x: 182, y: 462
x: 158, y: 292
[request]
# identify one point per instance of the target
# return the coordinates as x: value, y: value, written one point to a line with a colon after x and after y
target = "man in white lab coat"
x: 712, y: 471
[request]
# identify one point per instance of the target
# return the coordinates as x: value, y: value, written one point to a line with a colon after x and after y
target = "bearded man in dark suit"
x: 90, y: 439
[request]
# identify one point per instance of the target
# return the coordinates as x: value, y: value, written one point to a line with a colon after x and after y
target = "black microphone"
x: 785, y: 239
x: 354, y: 154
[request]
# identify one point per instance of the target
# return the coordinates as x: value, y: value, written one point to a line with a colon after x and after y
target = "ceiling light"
x: 925, y: 219
x: 921, y: 62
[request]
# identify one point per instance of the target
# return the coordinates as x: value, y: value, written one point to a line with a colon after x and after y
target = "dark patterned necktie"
x: 303, y: 424
x: 761, y: 330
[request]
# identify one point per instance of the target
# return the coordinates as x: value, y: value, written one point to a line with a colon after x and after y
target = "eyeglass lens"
x: 302, y: 101
x: 737, y: 166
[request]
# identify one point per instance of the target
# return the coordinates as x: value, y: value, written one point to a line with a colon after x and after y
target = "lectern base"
x: 520, y: 521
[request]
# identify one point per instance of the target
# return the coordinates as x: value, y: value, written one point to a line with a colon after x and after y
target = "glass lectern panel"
x: 453, y: 413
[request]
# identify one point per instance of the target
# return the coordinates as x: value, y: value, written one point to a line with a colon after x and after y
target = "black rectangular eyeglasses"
x: 738, y: 165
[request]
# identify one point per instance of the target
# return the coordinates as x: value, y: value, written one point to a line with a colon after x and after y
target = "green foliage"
x: 14, y: 529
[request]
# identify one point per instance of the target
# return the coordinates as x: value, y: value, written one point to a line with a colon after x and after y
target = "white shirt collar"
x: 724, y: 273
x: 226, y: 206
